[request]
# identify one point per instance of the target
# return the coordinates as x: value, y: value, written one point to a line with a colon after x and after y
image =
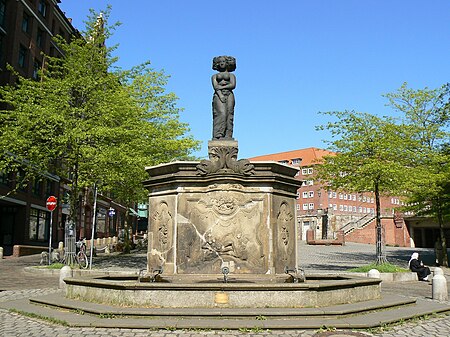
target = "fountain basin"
x: 209, y: 291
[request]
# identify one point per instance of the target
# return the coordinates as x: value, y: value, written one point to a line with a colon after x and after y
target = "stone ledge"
x: 388, y: 277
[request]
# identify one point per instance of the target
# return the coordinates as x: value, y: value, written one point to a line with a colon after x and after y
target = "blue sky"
x: 294, y: 58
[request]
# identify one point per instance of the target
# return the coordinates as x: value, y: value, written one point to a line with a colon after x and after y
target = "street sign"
x: 112, y: 212
x: 51, y: 203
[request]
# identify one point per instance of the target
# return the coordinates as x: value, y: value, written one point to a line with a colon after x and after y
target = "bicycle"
x: 81, y: 257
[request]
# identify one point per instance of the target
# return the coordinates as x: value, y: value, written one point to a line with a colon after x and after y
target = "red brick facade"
x: 329, y: 211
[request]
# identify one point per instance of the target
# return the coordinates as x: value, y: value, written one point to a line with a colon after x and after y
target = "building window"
x: 36, y: 189
x: 340, y: 196
x: 4, y: 178
x: 49, y: 188
x: 40, y: 38
x: 311, y: 194
x: 39, y: 223
x: 284, y: 162
x: 309, y: 182
x: 304, y: 171
x: 2, y: 12
x: 61, y: 33
x: 305, y: 195
x: 36, y: 68
x: 26, y: 22
x: 345, y: 208
x: 296, y: 161
x: 21, y: 184
x: 2, y: 62
x: 354, y: 209
x: 345, y: 196
x: 311, y: 206
x: 298, y: 195
x: 341, y: 208
x: 305, y: 207
x: 298, y: 207
x: 42, y: 8
x: 335, y: 207
x: 22, y: 56
x: 310, y: 170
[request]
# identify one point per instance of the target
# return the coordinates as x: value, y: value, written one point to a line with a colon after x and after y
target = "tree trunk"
x: 381, y: 256
x: 443, y: 240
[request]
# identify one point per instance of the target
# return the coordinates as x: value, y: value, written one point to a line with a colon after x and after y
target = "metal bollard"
x: 1, y: 253
x: 439, y: 286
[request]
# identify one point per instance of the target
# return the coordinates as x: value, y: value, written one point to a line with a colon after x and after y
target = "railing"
x: 358, y: 223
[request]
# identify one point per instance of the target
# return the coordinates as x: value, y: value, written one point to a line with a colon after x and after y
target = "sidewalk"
x: 15, y: 283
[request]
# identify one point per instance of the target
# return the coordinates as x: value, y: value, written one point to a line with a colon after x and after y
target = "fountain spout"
x: 297, y: 275
x: 156, y: 274
x: 225, y: 272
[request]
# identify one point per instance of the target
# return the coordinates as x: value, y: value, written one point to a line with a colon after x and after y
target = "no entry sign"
x: 51, y: 203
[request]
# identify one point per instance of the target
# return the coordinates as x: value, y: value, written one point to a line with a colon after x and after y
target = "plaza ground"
x: 17, y: 283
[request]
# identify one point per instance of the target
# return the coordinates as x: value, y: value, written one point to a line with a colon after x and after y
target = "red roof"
x: 309, y: 156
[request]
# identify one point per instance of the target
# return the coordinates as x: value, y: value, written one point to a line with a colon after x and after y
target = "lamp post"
x: 93, y: 226
x: 111, y: 213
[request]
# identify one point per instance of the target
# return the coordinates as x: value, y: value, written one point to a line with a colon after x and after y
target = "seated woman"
x: 416, y: 265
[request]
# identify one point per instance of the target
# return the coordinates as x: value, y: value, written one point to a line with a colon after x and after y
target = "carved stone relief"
x: 285, y: 232
x: 225, y: 224
x: 162, y: 224
x: 223, y: 159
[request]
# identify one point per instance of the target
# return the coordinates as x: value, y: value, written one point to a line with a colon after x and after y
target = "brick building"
x: 327, y: 211
x: 26, y: 31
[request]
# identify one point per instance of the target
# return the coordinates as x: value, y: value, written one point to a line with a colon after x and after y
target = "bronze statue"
x: 223, y: 99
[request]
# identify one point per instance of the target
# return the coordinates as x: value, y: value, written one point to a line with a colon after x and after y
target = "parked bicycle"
x: 81, y: 257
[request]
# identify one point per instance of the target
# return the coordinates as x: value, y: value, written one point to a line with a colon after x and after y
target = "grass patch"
x: 382, y: 268
x: 53, y: 266
x: 44, y: 318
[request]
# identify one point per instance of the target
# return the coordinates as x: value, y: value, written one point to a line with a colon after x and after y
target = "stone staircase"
x: 362, y: 315
x: 358, y: 223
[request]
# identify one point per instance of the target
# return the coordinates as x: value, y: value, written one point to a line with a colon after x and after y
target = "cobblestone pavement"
x: 17, y: 284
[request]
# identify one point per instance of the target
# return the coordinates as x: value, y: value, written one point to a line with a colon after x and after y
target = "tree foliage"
x: 426, y: 114
x: 90, y: 121
x: 366, y: 159
x: 406, y: 156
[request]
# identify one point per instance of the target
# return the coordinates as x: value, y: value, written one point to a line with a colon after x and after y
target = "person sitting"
x: 416, y: 265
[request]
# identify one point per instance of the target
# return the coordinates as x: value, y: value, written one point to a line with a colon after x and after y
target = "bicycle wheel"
x: 82, y: 260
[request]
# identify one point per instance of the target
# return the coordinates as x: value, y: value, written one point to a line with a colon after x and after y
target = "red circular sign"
x: 51, y: 203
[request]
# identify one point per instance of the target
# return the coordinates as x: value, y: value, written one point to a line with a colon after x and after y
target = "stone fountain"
x: 222, y: 233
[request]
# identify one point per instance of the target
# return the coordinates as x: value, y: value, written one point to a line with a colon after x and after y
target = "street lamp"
x: 111, y: 213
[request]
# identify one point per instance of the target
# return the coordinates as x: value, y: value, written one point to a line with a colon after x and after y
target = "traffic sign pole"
x: 51, y: 205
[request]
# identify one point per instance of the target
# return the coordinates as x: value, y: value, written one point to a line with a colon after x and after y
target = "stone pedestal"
x: 222, y: 211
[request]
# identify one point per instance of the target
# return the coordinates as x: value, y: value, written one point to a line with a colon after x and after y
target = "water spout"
x: 225, y: 272
x: 297, y: 275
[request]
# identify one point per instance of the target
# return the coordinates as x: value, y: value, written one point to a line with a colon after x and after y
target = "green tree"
x: 90, y: 121
x: 366, y: 159
x: 426, y: 114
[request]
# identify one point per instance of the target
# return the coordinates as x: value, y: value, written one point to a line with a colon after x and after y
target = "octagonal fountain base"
x: 209, y: 291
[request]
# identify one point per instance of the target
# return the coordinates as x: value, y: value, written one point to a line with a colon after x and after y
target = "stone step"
x: 58, y: 300
x: 361, y: 315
